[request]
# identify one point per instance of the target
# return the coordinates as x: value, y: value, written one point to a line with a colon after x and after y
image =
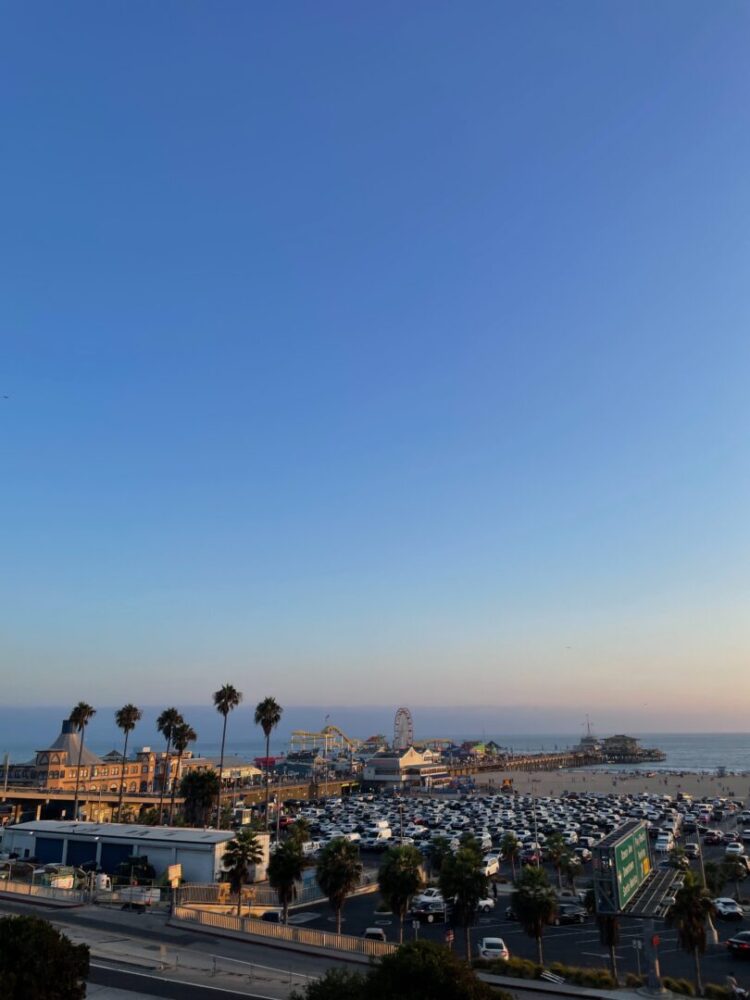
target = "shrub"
x: 715, y: 992
x: 519, y: 968
x: 633, y: 981
x: 594, y: 977
x: 682, y: 986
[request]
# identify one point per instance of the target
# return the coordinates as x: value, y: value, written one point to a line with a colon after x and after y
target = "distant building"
x: 399, y: 768
x: 200, y: 852
x: 621, y: 745
x: 56, y: 767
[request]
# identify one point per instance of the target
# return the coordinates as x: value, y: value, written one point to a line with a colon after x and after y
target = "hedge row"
x: 594, y: 977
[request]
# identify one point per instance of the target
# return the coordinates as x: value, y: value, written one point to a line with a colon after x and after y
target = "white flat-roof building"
x: 199, y: 851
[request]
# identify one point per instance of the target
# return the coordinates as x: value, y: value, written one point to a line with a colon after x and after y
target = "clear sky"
x: 377, y: 353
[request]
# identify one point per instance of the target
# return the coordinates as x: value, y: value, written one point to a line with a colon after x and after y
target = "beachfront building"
x: 56, y: 767
x: 401, y: 768
x: 107, y: 845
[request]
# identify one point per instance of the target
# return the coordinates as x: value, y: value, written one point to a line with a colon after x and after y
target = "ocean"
x: 24, y: 731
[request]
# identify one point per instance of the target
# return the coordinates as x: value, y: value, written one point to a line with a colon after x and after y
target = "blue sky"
x: 384, y: 353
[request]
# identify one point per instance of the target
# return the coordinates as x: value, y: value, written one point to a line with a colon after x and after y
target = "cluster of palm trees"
x: 178, y: 734
x: 267, y: 715
x: 338, y: 869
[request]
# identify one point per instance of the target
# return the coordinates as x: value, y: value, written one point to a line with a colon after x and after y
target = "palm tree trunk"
x: 174, y: 787
x: 713, y: 934
x: 613, y: 962
x: 239, y: 900
x: 78, y: 775
x: 122, y: 777
x: 467, y: 941
x: 539, y: 951
x: 268, y: 790
x: 164, y: 784
x: 513, y: 866
x: 401, y: 927
x: 221, y: 772
x: 698, y: 977
x: 286, y: 911
x: 338, y: 920
x: 559, y: 876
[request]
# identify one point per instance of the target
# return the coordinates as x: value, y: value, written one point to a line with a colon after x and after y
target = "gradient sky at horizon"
x: 384, y: 353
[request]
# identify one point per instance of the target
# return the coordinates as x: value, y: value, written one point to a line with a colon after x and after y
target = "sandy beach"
x: 554, y: 783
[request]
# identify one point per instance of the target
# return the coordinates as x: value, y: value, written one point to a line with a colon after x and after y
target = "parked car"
x: 429, y: 895
x: 490, y: 865
x: 493, y: 947
x: 734, y: 850
x: 728, y: 909
x: 429, y: 912
x: 739, y: 945
x: 570, y: 913
x: 374, y: 934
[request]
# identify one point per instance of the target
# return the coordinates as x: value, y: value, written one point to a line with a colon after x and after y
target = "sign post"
x: 638, y: 945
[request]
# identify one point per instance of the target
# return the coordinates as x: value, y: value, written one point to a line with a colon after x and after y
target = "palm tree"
x: 535, y: 904
x: 558, y: 853
x: 400, y: 876
x: 609, y: 935
x: 692, y: 906
x: 167, y: 722
x: 226, y: 699
x: 299, y: 831
x: 199, y: 790
x: 716, y: 877
x: 80, y: 717
x: 463, y: 881
x: 240, y: 853
x: 734, y: 870
x: 510, y: 849
x: 438, y: 850
x: 284, y: 871
x: 338, y: 873
x: 268, y: 716
x: 182, y: 736
x: 126, y: 718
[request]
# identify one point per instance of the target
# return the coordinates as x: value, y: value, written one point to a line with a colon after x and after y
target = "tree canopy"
x: 37, y: 962
x: 199, y: 789
x: 420, y: 970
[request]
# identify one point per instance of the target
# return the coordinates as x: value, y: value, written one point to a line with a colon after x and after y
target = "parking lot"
x: 704, y: 830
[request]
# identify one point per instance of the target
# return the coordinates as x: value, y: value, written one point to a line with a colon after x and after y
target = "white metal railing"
x: 282, y: 932
x: 72, y: 896
x: 260, y: 895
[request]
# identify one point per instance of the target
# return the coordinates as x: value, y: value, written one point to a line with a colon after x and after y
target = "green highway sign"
x: 632, y: 864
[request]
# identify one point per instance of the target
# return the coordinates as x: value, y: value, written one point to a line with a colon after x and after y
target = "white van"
x: 664, y: 843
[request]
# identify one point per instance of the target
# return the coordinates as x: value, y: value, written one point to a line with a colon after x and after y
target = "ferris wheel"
x: 403, y: 729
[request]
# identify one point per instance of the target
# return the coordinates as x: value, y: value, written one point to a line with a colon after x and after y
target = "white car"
x: 431, y: 895
x: 485, y: 905
x: 728, y: 909
x: 493, y: 947
x: 734, y: 850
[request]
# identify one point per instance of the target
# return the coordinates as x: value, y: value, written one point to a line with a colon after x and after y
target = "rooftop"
x: 128, y: 831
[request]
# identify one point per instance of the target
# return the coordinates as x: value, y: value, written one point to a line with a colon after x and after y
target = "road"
x: 127, y: 947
